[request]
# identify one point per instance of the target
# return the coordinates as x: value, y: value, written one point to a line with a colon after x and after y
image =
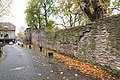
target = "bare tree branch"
x: 5, y: 6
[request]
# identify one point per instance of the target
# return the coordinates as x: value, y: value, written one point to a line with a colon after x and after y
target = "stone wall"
x: 27, y: 33
x: 98, y: 42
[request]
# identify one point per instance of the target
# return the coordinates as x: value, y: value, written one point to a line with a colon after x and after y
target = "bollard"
x: 0, y: 54
x: 21, y: 45
x: 50, y: 55
x: 40, y: 49
x: 1, y: 51
x: 29, y: 46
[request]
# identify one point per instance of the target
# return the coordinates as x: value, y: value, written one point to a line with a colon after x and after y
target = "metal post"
x: 0, y: 52
x: 3, y: 35
x: 30, y: 36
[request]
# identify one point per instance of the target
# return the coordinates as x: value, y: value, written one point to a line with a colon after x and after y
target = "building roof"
x: 7, y: 26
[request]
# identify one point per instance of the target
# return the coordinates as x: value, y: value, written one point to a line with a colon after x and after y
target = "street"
x: 27, y: 64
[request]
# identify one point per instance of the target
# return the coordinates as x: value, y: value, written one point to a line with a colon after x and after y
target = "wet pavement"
x: 27, y: 64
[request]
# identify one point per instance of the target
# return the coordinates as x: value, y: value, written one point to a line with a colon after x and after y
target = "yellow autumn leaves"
x: 86, y: 68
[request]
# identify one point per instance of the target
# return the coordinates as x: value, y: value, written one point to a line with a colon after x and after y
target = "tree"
x: 38, y: 13
x: 21, y: 36
x: 32, y: 16
x: 70, y: 12
x: 80, y: 12
x: 5, y: 6
x: 93, y: 9
x: 65, y: 12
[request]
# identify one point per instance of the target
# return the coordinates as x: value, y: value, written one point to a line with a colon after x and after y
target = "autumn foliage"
x: 86, y: 68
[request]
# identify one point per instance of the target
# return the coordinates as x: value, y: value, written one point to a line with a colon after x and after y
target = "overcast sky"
x: 18, y: 16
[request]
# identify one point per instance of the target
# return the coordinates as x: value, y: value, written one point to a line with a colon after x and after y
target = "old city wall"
x: 98, y: 42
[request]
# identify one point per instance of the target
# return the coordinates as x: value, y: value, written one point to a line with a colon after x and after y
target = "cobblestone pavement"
x: 25, y: 64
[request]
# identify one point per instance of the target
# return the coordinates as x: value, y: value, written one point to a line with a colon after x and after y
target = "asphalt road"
x: 25, y: 64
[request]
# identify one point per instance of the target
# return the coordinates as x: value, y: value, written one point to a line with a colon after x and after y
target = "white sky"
x: 18, y: 16
x: 115, y: 11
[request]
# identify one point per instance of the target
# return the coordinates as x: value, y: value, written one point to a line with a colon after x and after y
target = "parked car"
x: 10, y: 42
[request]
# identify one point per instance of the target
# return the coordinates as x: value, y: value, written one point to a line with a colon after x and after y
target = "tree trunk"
x: 98, y: 11
x: 45, y: 14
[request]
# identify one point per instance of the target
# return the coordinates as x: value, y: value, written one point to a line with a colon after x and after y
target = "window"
x: 1, y: 35
x: 6, y: 35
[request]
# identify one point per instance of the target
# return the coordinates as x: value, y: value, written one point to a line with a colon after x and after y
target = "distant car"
x: 10, y: 42
x: 18, y: 42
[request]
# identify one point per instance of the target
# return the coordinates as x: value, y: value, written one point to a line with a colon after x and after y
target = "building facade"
x: 7, y: 32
